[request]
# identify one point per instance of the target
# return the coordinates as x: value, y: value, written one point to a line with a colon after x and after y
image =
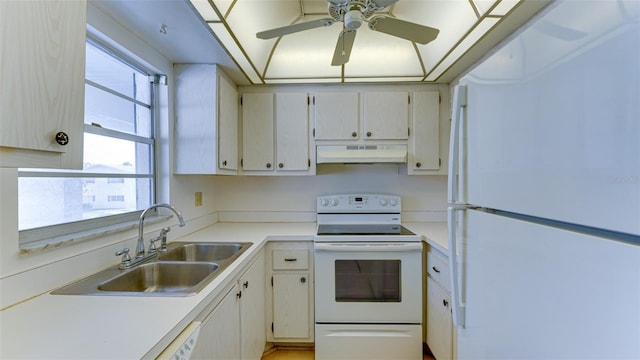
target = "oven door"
x: 368, y: 282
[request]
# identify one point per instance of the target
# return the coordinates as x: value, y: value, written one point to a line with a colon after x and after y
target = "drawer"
x: 438, y: 269
x: 290, y: 259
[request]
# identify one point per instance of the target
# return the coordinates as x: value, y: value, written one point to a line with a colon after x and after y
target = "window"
x: 118, y: 178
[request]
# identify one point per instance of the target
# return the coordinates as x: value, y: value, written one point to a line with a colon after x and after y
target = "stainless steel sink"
x: 185, y: 269
x: 204, y: 252
x: 161, y: 277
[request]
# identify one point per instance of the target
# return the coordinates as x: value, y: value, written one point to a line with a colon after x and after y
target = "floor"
x: 303, y: 354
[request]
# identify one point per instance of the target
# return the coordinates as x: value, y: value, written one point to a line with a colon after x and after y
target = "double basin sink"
x: 185, y: 269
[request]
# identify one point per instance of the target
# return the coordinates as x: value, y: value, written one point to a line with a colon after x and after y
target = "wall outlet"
x: 198, y: 198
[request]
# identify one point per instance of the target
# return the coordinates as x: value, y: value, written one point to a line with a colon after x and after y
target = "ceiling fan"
x: 353, y: 13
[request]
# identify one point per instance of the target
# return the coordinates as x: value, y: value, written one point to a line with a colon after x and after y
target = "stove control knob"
x: 393, y: 202
x: 334, y: 202
x: 383, y: 201
x: 324, y: 202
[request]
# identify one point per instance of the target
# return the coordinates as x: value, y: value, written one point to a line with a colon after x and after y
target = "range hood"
x: 361, y: 154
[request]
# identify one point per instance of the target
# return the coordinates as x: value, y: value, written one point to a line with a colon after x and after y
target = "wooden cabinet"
x: 424, y: 144
x: 252, y: 311
x: 42, y: 65
x: 385, y: 115
x: 337, y: 115
x: 290, y: 310
x: 206, y: 121
x: 439, y: 324
x: 220, y: 331
x: 275, y: 134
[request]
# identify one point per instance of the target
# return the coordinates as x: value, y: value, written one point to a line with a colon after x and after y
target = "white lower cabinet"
x: 290, y: 311
x: 220, y: 330
x: 439, y: 322
x: 235, y: 329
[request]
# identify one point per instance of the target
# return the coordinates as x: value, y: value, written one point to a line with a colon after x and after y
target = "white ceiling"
x: 197, y: 32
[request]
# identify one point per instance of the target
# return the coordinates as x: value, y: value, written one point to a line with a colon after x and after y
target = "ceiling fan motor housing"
x: 353, y: 19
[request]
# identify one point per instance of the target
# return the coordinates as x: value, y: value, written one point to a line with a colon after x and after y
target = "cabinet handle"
x: 239, y: 294
x: 418, y: 164
x: 290, y: 259
x: 62, y: 138
x: 246, y: 284
x: 354, y: 134
x: 445, y: 303
x: 435, y: 269
x: 268, y: 165
x: 224, y: 162
x: 369, y: 134
x: 280, y: 165
x: 303, y: 280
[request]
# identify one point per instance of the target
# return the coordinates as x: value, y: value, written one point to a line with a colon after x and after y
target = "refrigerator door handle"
x: 457, y: 306
x: 459, y: 102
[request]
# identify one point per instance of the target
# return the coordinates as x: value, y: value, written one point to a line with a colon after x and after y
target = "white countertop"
x: 123, y: 327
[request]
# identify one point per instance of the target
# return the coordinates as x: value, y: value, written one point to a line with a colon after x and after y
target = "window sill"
x: 75, y: 238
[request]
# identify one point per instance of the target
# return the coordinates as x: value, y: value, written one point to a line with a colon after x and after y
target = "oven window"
x: 367, y: 280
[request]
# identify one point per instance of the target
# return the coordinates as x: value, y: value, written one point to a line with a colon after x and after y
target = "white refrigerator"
x: 544, y: 190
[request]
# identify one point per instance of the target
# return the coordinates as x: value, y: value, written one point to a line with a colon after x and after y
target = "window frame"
x: 55, y: 234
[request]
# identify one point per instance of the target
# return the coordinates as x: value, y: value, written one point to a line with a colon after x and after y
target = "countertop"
x: 128, y: 327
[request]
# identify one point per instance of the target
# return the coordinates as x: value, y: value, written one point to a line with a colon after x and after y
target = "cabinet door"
x: 439, y: 323
x: 42, y: 71
x: 291, y: 305
x: 257, y: 131
x: 386, y: 115
x: 292, y: 131
x: 252, y: 311
x: 337, y: 115
x: 220, y: 331
x: 424, y: 141
x: 228, y: 124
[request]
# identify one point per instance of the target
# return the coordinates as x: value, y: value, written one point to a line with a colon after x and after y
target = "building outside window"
x: 118, y: 178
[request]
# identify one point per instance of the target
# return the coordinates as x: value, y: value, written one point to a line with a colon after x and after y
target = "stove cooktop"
x: 363, y: 229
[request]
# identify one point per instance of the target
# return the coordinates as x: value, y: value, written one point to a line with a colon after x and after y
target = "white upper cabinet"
x: 292, y: 131
x: 257, y: 132
x: 206, y: 121
x: 275, y: 134
x: 424, y: 142
x: 42, y: 65
x: 386, y: 115
x: 337, y: 115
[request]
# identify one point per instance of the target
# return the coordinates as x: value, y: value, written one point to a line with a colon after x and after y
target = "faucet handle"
x: 152, y: 245
x: 126, y: 259
x: 163, y: 238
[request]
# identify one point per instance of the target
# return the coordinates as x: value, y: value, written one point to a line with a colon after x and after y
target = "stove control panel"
x: 359, y: 203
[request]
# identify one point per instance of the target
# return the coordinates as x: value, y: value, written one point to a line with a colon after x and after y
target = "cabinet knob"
x: 268, y: 165
x: 445, y: 303
x: 280, y: 165
x: 418, y: 164
x: 369, y: 134
x: 303, y: 280
x: 62, y: 138
x: 354, y: 134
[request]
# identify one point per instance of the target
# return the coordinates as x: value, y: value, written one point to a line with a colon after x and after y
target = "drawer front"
x: 297, y: 259
x: 438, y: 269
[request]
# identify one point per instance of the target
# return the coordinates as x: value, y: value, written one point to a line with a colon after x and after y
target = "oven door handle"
x: 369, y: 247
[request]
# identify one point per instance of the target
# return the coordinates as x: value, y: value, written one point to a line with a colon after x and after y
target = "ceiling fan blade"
x: 289, y: 29
x: 403, y: 29
x: 343, y: 47
x: 381, y: 4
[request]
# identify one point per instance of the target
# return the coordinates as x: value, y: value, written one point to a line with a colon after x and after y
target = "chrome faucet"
x: 140, y: 245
